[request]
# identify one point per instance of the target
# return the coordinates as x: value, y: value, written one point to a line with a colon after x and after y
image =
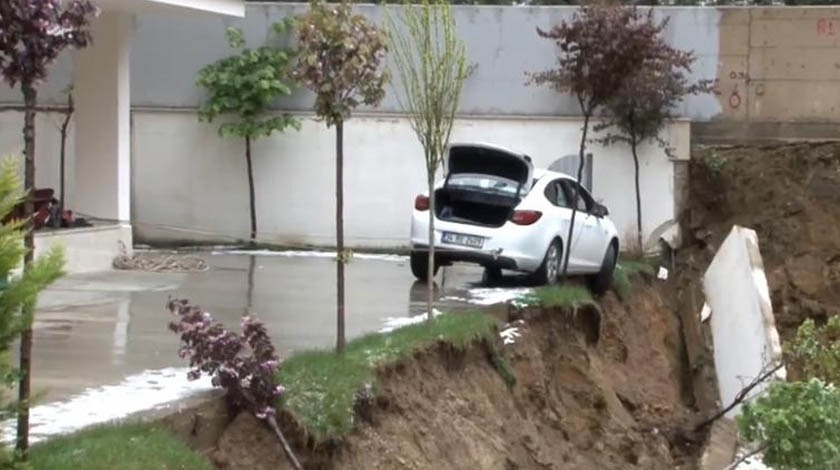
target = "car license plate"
x: 462, y: 239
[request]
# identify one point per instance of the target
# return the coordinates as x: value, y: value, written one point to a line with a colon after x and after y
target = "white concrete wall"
x: 47, y: 147
x: 742, y: 322
x: 190, y: 184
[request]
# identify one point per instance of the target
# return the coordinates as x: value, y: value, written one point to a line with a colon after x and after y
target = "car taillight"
x: 525, y: 217
x: 421, y: 202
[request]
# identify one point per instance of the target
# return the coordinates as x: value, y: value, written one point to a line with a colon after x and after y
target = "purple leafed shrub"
x: 244, y: 364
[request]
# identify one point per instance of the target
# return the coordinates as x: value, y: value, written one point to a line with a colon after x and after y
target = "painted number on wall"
x: 734, y: 98
x: 826, y: 27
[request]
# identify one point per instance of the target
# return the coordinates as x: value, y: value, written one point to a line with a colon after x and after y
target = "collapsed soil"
x: 612, y: 404
x: 576, y: 404
x: 790, y: 195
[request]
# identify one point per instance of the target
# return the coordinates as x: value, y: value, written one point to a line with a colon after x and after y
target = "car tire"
x: 492, y: 276
x: 420, y: 265
x: 549, y: 270
x: 602, y: 281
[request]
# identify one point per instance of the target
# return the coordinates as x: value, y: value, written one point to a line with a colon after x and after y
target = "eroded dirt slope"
x: 576, y: 405
x: 790, y: 195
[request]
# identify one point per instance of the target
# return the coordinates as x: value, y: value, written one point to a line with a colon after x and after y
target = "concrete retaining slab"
x: 746, y: 341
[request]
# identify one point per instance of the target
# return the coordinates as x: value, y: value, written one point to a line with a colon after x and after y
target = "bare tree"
x: 431, y: 63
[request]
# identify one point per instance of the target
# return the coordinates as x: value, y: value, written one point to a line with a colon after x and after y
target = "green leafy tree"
x: 597, y: 51
x: 647, y: 97
x: 242, y: 87
x: 795, y: 425
x: 431, y: 63
x: 341, y: 60
x: 815, y: 351
x: 17, y: 292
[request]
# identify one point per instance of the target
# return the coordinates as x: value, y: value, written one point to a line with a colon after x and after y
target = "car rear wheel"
x: 420, y: 265
x: 549, y: 270
x: 600, y: 282
x: 492, y: 276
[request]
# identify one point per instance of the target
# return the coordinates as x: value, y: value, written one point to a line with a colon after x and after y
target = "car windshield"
x: 486, y: 183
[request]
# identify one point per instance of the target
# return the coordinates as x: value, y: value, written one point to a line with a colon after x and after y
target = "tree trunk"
x: 430, y: 278
x: 251, y: 194
x: 30, y: 98
x: 339, y: 234
x: 252, y: 261
x: 633, y: 144
x: 567, y: 249
x: 64, y: 127
x: 287, y: 449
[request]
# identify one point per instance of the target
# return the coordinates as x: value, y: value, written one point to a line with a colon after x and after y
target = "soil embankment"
x: 610, y: 404
x: 790, y: 195
x: 575, y: 405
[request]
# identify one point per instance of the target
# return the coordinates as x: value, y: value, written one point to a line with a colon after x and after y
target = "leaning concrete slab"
x: 743, y: 327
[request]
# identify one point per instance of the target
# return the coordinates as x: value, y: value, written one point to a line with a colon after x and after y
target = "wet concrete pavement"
x: 99, y: 329
x: 103, y: 350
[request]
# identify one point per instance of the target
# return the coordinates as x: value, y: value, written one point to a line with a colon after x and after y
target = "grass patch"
x: 131, y: 446
x: 563, y: 296
x: 624, y: 272
x: 503, y: 368
x: 321, y: 386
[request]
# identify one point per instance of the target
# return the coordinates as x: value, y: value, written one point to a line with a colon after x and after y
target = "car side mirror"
x: 600, y: 210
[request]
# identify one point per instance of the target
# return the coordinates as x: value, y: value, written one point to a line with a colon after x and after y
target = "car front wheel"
x: 550, y: 268
x: 420, y: 265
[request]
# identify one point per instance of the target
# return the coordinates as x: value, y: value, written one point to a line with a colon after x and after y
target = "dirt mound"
x: 790, y: 195
x: 574, y: 405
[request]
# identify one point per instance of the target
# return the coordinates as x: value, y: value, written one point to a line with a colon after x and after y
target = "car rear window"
x: 484, y: 183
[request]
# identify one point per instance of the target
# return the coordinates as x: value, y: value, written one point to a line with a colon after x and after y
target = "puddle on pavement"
x: 103, y: 349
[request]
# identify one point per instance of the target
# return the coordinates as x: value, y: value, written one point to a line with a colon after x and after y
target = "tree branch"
x: 740, y: 397
x: 746, y: 457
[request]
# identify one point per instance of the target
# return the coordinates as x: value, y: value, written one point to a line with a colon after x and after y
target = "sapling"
x: 342, y: 60
x: 245, y: 365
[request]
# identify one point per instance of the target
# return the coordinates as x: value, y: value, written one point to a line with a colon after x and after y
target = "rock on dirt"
x: 574, y: 406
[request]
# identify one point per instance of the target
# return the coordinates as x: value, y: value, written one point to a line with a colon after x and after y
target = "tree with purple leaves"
x: 648, y: 97
x: 245, y: 365
x: 594, y: 58
x: 32, y: 35
x: 341, y: 59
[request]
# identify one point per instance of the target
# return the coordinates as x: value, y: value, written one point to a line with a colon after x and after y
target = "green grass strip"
x: 625, y: 270
x: 559, y: 296
x: 129, y: 446
x: 321, y: 386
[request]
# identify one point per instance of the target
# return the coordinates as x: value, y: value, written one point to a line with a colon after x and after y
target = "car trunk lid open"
x: 483, y: 185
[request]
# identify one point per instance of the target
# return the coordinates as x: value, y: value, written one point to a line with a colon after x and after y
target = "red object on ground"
x: 42, y: 198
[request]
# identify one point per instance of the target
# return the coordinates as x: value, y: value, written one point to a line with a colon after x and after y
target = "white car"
x: 494, y: 209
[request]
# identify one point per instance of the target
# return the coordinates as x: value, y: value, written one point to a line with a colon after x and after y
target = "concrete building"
x: 101, y: 143
x: 187, y: 184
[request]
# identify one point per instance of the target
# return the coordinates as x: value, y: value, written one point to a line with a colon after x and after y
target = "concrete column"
x: 102, y: 176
